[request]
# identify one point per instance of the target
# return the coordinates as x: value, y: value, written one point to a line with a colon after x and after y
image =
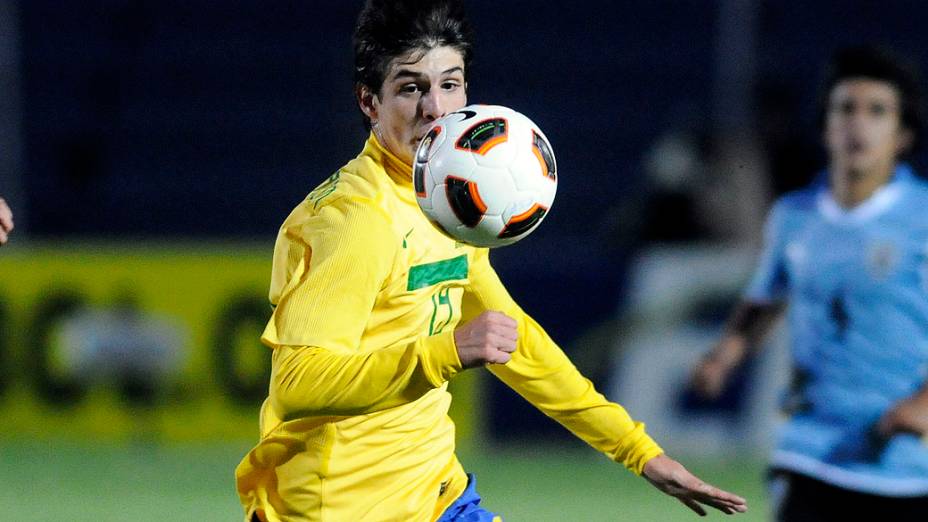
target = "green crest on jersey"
x: 422, y: 276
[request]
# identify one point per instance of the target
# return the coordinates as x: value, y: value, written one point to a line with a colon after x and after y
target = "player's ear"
x: 365, y: 97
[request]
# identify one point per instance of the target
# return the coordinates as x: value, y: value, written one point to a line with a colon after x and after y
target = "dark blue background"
x: 170, y: 119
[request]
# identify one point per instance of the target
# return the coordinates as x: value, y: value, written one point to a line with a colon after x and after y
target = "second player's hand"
x: 6, y: 221
x: 906, y: 416
x: 709, y: 378
x: 711, y: 374
x: 489, y: 338
x: 672, y: 478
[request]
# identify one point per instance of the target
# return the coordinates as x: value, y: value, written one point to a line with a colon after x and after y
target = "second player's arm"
x: 909, y: 415
x: 6, y: 221
x: 748, y: 325
x: 754, y: 316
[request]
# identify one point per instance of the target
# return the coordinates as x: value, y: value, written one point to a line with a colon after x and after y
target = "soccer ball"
x: 485, y: 175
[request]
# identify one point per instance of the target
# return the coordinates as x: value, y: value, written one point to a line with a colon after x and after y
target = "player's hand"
x: 712, y: 372
x: 709, y: 377
x: 906, y: 416
x: 489, y: 338
x: 673, y: 479
x: 6, y: 222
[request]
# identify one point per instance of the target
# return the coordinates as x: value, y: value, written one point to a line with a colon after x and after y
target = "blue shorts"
x: 467, y: 507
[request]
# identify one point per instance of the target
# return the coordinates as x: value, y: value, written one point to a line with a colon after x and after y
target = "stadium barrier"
x: 150, y: 341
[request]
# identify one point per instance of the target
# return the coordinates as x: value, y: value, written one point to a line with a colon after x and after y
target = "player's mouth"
x: 425, y: 130
x: 855, y: 146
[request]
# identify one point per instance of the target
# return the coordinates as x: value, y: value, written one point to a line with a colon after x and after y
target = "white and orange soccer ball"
x: 485, y: 175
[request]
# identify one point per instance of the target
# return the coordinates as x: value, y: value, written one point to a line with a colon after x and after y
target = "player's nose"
x: 433, y: 106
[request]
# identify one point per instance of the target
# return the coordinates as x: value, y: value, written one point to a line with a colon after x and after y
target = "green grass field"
x: 53, y: 481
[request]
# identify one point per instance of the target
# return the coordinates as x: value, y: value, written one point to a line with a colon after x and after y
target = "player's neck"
x: 851, y: 187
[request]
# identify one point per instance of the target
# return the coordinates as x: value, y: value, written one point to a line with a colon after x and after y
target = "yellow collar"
x: 399, y: 172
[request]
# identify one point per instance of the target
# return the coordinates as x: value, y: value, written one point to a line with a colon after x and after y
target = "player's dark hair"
x: 881, y: 64
x: 388, y: 29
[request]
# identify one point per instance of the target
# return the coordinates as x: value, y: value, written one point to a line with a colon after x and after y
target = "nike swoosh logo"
x: 467, y: 114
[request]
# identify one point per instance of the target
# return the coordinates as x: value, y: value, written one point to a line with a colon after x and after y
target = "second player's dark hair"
x: 388, y: 29
x: 879, y: 63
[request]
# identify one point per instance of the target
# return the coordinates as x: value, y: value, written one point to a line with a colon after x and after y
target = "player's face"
x: 418, y: 89
x: 863, y: 127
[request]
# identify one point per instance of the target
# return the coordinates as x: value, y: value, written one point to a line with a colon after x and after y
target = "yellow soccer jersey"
x: 367, y: 294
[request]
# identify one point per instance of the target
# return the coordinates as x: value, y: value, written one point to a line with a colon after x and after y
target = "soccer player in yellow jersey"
x: 376, y: 310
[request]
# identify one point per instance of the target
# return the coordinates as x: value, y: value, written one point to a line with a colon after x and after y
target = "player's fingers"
x: 507, y: 332
x: 721, y: 500
x: 885, y: 426
x: 6, y: 217
x: 508, y: 347
x: 501, y: 319
x: 692, y: 504
x: 726, y: 507
x: 502, y: 342
x: 499, y: 358
x: 711, y: 492
x: 3, y: 237
x: 892, y: 422
x: 720, y: 494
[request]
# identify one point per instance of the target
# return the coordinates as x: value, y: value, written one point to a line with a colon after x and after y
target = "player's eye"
x: 846, y: 108
x: 450, y: 85
x: 409, y: 88
x: 878, y: 109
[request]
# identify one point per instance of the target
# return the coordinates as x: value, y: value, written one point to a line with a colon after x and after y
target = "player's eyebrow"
x: 408, y: 73
x: 453, y: 70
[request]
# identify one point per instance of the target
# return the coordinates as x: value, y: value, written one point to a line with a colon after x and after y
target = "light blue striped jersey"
x: 857, y: 284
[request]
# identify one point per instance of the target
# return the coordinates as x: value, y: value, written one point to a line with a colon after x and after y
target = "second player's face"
x: 417, y: 90
x: 863, y: 127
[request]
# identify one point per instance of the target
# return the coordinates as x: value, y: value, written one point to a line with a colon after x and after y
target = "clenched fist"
x: 489, y: 338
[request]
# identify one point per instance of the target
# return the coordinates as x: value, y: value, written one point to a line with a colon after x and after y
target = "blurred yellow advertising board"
x: 141, y: 340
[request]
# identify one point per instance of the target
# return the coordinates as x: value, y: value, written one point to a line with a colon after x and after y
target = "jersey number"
x: 839, y: 316
x: 442, y: 311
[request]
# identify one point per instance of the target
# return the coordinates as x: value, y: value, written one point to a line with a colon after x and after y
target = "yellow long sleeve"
x: 541, y: 373
x: 337, y: 259
x: 315, y: 381
x: 318, y: 364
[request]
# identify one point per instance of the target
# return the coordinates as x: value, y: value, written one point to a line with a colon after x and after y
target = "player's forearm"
x: 607, y: 427
x: 314, y: 381
x: 570, y: 399
x: 747, y: 326
x: 541, y: 373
